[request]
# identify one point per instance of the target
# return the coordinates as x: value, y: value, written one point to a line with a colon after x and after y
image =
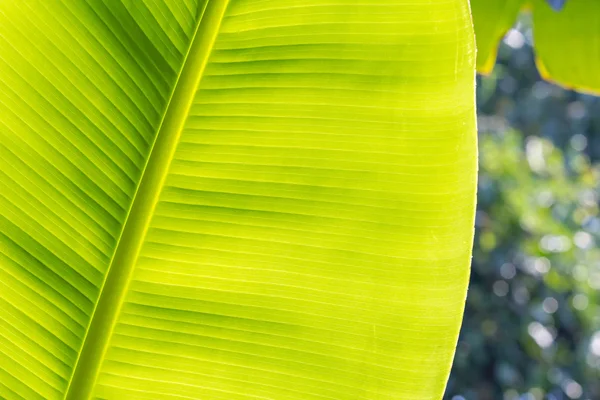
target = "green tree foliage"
x: 535, y: 269
x: 532, y: 314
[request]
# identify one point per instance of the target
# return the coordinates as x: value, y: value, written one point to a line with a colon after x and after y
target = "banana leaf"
x: 245, y: 199
x: 565, y: 35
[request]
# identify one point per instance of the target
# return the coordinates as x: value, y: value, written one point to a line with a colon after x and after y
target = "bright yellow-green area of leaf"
x: 491, y: 20
x: 567, y: 42
x: 234, y: 199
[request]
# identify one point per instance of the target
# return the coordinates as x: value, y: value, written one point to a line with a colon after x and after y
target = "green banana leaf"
x: 565, y: 40
x: 245, y: 199
x: 492, y: 19
x: 567, y: 44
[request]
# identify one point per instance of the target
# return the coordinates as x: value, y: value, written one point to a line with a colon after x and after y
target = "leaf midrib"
x: 126, y: 253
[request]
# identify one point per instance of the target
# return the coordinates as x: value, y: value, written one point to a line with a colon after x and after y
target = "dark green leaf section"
x: 566, y: 44
x: 565, y: 37
x: 492, y: 19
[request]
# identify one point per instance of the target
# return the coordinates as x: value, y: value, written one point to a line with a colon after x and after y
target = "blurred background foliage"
x: 532, y: 323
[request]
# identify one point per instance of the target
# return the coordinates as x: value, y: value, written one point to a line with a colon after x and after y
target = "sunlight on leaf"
x: 234, y: 200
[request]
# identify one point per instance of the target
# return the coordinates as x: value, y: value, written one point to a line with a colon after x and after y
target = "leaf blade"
x: 325, y: 176
x: 492, y: 19
x: 294, y: 233
x: 566, y: 50
x: 80, y: 102
x: 127, y: 251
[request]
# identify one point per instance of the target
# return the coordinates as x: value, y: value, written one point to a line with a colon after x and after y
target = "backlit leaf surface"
x: 245, y: 199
